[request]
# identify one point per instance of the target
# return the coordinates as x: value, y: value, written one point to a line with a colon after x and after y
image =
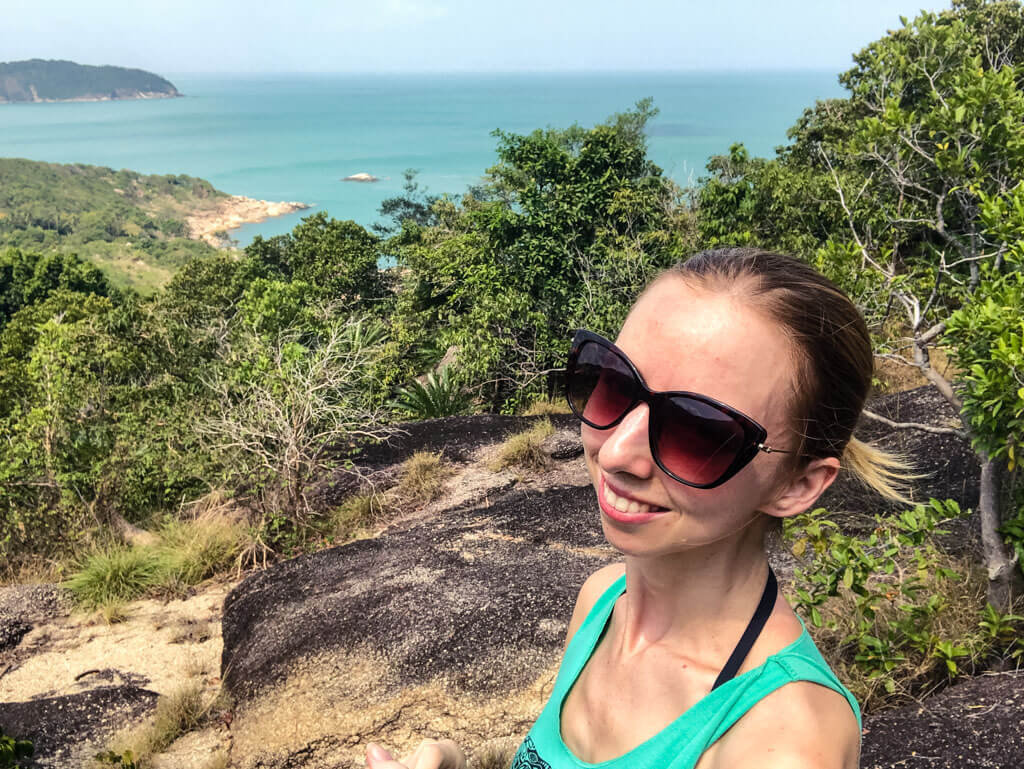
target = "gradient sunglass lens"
x: 601, y: 387
x: 695, y: 440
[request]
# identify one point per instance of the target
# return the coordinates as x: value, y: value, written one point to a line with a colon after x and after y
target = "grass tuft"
x: 523, y: 449
x: 185, y: 554
x: 545, y: 406
x: 422, y: 477
x: 114, y: 575
x: 355, y: 514
x: 176, y: 714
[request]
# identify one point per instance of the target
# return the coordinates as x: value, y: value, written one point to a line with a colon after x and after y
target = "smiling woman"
x: 727, y: 403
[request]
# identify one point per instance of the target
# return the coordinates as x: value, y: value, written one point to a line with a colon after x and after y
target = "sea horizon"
x: 294, y: 136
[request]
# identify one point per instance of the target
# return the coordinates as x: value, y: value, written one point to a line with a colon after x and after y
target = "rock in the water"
x: 976, y: 724
x: 68, y: 731
x: 361, y: 177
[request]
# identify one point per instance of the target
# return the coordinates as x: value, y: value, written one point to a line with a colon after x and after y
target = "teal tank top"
x: 681, y: 743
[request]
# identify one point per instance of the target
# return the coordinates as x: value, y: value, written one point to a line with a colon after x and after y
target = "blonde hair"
x: 834, y: 359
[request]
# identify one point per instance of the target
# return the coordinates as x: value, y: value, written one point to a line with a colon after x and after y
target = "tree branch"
x: 914, y: 425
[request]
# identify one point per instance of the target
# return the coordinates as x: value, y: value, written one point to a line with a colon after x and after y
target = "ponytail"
x: 881, y: 471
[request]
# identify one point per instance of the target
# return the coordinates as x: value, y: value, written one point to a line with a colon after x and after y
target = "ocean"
x: 293, y: 137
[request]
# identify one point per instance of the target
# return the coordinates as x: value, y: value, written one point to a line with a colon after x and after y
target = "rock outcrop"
x: 452, y: 622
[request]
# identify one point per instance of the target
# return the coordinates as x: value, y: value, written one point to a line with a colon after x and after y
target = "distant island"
x: 39, y: 80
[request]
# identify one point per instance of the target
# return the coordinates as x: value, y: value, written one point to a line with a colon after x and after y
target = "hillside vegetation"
x: 130, y: 225
x: 249, y: 380
x: 50, y: 80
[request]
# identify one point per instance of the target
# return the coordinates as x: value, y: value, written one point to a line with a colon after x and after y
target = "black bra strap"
x: 761, y: 614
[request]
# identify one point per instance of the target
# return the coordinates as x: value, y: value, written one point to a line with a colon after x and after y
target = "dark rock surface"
x: 463, y: 589
x: 23, y: 606
x: 973, y: 725
x: 67, y: 731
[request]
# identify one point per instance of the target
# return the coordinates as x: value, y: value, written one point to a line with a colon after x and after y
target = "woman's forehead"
x: 685, y: 338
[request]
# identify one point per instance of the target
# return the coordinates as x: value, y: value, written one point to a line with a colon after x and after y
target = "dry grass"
x: 421, y: 478
x: 112, y: 612
x: 544, y: 406
x: 355, y: 515
x: 523, y: 449
x: 495, y: 755
x: 33, y: 570
x: 177, y: 713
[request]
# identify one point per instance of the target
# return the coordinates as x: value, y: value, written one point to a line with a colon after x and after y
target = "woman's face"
x: 685, y: 338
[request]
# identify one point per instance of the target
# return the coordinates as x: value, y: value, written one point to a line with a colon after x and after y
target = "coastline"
x: 141, y: 95
x: 213, y: 225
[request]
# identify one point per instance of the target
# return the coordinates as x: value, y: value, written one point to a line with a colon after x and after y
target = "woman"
x: 726, y: 404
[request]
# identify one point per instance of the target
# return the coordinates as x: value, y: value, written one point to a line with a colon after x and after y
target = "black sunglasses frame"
x: 754, y: 434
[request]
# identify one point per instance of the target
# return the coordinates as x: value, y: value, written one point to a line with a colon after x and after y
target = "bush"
x: 13, y: 751
x: 196, y: 550
x: 545, y: 406
x: 523, y: 449
x: 894, y: 614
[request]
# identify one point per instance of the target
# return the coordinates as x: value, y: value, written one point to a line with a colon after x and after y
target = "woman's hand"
x: 431, y: 754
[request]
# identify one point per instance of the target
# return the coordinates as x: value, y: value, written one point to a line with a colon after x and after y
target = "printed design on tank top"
x: 527, y: 757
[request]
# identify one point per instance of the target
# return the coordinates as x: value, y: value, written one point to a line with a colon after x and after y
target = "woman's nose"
x: 628, y: 448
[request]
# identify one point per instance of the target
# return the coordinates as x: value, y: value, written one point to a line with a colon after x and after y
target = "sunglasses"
x: 694, y: 439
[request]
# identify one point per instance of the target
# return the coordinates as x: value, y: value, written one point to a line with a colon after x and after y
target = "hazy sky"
x: 185, y: 36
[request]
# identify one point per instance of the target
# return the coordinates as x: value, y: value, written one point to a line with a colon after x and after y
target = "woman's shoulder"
x: 592, y: 589
x: 801, y: 725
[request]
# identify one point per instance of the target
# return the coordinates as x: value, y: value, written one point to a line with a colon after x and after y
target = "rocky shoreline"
x: 214, y: 224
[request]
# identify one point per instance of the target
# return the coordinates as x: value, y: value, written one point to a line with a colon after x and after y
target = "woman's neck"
x: 694, y: 600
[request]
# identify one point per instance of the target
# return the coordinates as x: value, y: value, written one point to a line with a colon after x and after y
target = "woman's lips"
x: 608, y: 498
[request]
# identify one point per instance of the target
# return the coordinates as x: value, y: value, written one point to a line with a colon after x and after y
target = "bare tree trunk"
x: 1003, y: 576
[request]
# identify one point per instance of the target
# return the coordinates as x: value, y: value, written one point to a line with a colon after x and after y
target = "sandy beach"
x: 231, y: 212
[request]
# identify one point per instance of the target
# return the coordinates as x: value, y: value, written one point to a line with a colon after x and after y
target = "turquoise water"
x: 296, y: 137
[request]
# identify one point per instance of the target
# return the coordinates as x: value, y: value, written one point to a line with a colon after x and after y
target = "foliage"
x: 568, y: 226
x: 337, y: 259
x: 115, y: 574
x: 414, y: 205
x: 177, y: 713
x: 282, y: 406
x: 114, y: 217
x: 437, y: 395
x: 356, y: 513
x: 13, y: 751
x: 895, y: 614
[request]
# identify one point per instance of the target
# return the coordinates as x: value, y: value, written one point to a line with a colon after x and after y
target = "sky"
x: 336, y: 36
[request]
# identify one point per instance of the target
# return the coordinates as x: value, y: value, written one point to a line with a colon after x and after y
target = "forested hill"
x: 39, y: 80
x: 133, y: 226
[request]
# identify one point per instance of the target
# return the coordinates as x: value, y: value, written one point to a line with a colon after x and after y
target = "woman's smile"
x: 624, y: 509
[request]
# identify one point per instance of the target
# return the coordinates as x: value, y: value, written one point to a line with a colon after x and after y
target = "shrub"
x: 13, y: 752
x: 895, y: 615
x: 196, y: 550
x: 523, y: 449
x: 439, y: 395
x: 422, y: 477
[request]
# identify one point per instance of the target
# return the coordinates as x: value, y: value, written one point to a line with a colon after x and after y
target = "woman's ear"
x: 803, y: 488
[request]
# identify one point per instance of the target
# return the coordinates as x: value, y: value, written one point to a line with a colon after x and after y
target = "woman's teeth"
x: 624, y: 505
